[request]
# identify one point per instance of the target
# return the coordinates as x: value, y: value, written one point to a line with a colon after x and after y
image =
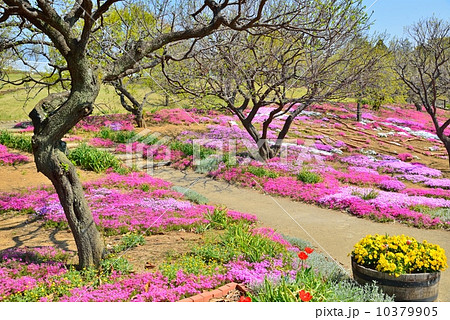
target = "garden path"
x: 330, y: 231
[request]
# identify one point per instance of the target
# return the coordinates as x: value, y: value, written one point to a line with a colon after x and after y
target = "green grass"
x: 16, y: 102
x: 129, y: 241
x: 239, y: 241
x: 16, y: 141
x: 90, y: 158
x: 368, y: 195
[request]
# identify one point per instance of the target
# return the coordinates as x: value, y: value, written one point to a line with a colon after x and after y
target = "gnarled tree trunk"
x: 49, y: 151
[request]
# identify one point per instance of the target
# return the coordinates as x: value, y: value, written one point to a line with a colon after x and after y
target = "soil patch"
x: 24, y: 176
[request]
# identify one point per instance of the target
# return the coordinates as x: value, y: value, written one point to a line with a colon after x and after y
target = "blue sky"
x: 392, y: 15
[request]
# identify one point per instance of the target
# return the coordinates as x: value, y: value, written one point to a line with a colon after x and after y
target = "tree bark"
x: 358, y: 111
x: 52, y: 162
x: 139, y: 117
x: 52, y: 118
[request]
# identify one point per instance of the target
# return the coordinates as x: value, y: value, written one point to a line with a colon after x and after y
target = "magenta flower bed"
x: 135, y: 202
x: 144, y: 287
x: 43, y: 277
x: 115, y: 122
x: 101, y: 143
x: 11, y: 158
x: 25, y: 269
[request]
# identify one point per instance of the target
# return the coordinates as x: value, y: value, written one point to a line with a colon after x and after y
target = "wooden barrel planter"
x: 406, y: 287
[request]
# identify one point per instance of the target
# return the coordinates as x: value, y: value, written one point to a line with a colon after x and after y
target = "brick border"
x: 217, y: 293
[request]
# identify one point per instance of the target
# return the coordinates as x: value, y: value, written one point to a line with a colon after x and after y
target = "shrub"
x: 253, y: 247
x: 90, y: 158
x: 188, y: 149
x: 19, y: 142
x: 116, y: 136
x: 117, y: 264
x: 309, y: 177
x: 261, y: 172
x: 239, y: 241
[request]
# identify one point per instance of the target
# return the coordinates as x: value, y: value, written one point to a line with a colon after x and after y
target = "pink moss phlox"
x: 101, y: 143
x: 255, y: 272
x: 405, y: 157
x: 11, y: 158
x: 274, y: 236
x: 115, y: 122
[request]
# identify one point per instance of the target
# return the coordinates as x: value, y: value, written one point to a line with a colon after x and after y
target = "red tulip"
x: 245, y: 299
x: 308, y: 250
x: 304, y: 295
x: 302, y: 255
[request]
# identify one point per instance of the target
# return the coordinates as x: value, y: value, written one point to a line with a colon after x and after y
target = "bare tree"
x: 424, y: 66
x: 68, y: 27
x: 307, y: 60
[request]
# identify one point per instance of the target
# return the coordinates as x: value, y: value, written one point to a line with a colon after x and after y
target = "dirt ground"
x: 19, y: 230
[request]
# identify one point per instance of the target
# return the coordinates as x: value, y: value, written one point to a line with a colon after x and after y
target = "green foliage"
x: 19, y: 142
x: 129, y: 241
x: 253, y: 246
x: 441, y: 213
x: 369, y: 195
x: 116, y: 136
x: 308, y: 176
x: 188, y: 149
x: 286, y: 290
x: 322, y: 290
x: 212, y: 251
x: 229, y: 160
x: 318, y: 262
x: 191, y: 195
x: 238, y: 240
x: 261, y: 172
x: 218, y: 220
x: 59, y: 225
x: 379, y: 84
x: 90, y: 158
x: 114, y: 263
x: 190, y: 264
x: 61, y: 285
x: 350, y: 291
x: 207, y: 165
x: 299, y: 243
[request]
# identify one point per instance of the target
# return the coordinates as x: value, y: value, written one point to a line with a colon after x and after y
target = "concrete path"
x: 331, y: 232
